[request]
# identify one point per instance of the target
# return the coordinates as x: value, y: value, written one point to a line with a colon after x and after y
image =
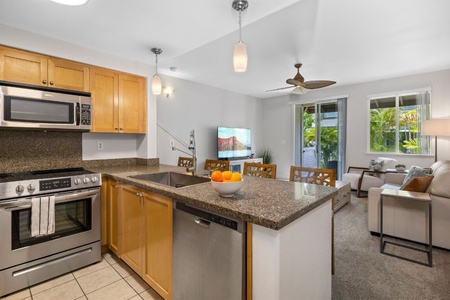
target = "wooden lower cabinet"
x: 114, y: 216
x: 132, y: 227
x: 157, y: 270
x: 147, y: 237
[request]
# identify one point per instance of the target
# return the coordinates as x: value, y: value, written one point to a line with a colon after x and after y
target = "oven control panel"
x: 34, y: 187
x: 55, y: 184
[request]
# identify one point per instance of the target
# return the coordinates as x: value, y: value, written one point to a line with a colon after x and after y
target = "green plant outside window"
x: 395, y: 123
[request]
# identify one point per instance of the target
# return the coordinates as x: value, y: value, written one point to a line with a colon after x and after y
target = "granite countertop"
x: 265, y: 202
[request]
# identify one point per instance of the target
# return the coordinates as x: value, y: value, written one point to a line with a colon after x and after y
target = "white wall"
x: 282, y: 114
x: 203, y: 108
x: 192, y: 105
x: 115, y: 145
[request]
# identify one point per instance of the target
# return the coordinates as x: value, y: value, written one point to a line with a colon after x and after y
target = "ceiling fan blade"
x: 317, y: 84
x: 294, y: 82
x: 283, y: 88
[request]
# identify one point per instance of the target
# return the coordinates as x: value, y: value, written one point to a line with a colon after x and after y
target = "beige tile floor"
x: 109, y: 279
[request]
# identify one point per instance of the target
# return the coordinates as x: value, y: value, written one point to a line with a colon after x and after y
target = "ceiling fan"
x: 301, y: 86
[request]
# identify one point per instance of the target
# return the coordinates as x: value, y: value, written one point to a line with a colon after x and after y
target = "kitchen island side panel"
x: 295, y: 261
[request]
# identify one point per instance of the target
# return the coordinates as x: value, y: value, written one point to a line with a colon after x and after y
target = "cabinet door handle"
x: 51, y: 82
x: 121, y: 129
x: 44, y: 81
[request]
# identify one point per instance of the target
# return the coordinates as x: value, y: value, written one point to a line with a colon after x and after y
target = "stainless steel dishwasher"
x: 208, y: 255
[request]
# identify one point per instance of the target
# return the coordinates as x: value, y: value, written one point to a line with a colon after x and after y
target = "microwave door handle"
x: 78, y: 114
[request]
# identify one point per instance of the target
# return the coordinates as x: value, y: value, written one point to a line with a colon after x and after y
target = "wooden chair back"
x: 260, y: 170
x: 221, y: 165
x: 313, y: 175
x: 187, y: 162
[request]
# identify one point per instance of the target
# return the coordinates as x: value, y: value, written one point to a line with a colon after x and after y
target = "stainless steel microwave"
x: 27, y: 107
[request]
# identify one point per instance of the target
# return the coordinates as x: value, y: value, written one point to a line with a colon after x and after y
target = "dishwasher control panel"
x: 207, y: 216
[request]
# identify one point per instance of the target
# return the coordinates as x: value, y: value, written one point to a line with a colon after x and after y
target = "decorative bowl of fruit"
x: 226, y: 183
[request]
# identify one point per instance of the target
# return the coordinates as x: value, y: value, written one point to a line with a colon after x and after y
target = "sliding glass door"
x: 320, y: 135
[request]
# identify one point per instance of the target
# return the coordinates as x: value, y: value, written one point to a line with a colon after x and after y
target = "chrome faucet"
x: 191, y: 147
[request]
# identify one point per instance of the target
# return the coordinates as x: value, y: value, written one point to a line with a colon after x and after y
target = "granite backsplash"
x: 27, y: 150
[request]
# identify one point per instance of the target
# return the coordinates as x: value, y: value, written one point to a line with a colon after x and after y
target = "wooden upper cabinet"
x: 69, y: 75
x: 23, y: 67
x: 36, y: 69
x: 132, y: 104
x: 118, y: 102
x: 105, y: 100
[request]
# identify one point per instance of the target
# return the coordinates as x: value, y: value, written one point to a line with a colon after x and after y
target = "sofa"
x: 409, y: 219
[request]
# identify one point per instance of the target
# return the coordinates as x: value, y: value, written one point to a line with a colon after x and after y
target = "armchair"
x: 362, y: 178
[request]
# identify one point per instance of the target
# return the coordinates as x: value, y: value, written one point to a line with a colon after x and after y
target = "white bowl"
x: 227, y: 189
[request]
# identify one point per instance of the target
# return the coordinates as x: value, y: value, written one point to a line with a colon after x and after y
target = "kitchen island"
x: 291, y: 228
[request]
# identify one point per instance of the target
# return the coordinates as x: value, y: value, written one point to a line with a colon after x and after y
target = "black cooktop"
x: 41, y: 174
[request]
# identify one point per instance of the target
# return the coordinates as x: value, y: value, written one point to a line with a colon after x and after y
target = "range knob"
x: 31, y: 187
x: 86, y: 180
x: 94, y: 179
x: 19, y: 188
x: 77, y: 181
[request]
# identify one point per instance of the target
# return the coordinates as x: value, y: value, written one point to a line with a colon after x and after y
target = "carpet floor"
x: 362, y: 272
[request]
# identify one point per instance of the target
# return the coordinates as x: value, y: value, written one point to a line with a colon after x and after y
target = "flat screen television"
x: 233, y: 142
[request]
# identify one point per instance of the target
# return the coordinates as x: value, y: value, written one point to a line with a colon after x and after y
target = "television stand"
x: 238, y: 165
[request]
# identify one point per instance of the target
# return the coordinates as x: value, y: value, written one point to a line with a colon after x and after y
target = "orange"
x: 217, y: 176
x: 227, y: 175
x: 236, y: 176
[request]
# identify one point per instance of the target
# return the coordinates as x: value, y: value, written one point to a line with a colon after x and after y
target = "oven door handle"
x: 74, y: 196
x: 60, y: 198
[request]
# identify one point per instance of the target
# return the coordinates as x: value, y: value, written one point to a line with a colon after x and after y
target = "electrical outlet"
x: 100, y: 146
x: 172, y: 143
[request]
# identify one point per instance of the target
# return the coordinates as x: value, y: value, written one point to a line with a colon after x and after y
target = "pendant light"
x: 71, y: 2
x: 156, y: 81
x: 240, y: 48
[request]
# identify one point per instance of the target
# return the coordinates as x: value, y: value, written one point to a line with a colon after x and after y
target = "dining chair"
x: 187, y: 162
x: 213, y: 164
x: 260, y: 170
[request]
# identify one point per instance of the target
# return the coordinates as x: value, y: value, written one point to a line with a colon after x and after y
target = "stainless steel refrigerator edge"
x: 208, y: 255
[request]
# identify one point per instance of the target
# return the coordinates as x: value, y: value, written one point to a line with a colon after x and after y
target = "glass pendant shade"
x: 299, y: 90
x: 71, y: 2
x: 156, y: 85
x: 240, y: 57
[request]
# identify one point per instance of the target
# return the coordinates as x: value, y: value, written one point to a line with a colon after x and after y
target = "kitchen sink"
x: 172, y: 179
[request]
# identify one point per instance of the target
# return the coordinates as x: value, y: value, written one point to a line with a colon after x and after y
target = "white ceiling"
x: 348, y: 41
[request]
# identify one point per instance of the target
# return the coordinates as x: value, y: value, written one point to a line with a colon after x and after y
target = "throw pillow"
x: 375, y: 165
x: 414, y: 171
x: 418, y: 184
x: 389, y: 163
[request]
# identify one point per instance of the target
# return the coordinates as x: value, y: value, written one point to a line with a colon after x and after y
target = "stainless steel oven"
x: 26, y: 259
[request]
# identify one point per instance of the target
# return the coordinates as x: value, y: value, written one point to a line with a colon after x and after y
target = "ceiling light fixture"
x: 71, y: 2
x: 240, y: 48
x: 156, y: 81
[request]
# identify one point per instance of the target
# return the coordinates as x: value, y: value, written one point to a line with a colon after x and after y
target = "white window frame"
x: 397, y: 95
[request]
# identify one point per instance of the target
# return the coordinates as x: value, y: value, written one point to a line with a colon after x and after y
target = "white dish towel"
x: 42, y: 215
